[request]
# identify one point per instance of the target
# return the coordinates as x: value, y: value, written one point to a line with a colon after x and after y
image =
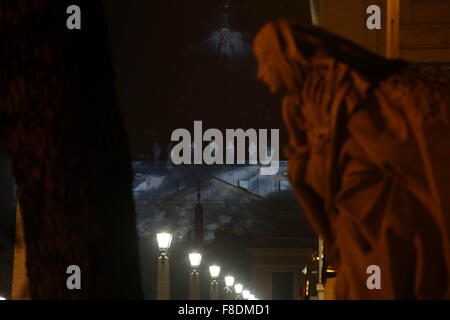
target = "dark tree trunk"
x: 69, y: 149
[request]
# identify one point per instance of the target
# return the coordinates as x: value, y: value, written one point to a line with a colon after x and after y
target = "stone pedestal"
x: 194, y: 286
x: 228, y: 294
x: 214, y: 291
x: 163, y: 279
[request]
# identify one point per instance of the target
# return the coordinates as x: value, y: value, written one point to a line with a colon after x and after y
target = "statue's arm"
x: 399, y: 158
x: 298, y: 154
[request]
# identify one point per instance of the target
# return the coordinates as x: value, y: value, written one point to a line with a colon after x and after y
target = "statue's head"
x: 288, y: 50
x: 280, y: 64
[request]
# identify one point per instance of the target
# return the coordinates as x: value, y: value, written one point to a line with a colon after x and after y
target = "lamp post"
x: 307, y: 271
x: 194, y: 277
x: 229, y: 281
x: 238, y: 289
x: 214, y: 270
x: 315, y: 11
x: 245, y: 294
x: 162, y: 269
x: 320, y: 283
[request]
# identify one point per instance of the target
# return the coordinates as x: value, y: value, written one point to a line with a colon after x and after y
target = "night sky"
x: 167, y: 76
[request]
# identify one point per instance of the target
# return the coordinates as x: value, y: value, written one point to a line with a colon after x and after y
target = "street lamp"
x: 214, y: 270
x: 164, y: 240
x: 238, y: 289
x: 229, y: 281
x: 245, y: 294
x: 195, y: 259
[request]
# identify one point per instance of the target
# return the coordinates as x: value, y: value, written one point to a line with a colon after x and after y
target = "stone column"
x: 214, y: 291
x: 163, y: 278
x: 393, y: 29
x: 315, y: 11
x: 320, y: 291
x: 320, y: 274
x: 20, y: 278
x: 228, y: 294
x: 194, y: 286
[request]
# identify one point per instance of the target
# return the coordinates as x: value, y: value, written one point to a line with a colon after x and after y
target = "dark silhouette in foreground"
x: 69, y: 150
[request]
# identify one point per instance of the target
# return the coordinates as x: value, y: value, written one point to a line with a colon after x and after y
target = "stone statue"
x: 369, y: 158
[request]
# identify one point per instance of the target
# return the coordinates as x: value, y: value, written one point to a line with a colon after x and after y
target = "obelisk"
x: 198, y: 220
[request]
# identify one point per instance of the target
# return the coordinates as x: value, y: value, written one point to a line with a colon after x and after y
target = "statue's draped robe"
x: 378, y: 156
